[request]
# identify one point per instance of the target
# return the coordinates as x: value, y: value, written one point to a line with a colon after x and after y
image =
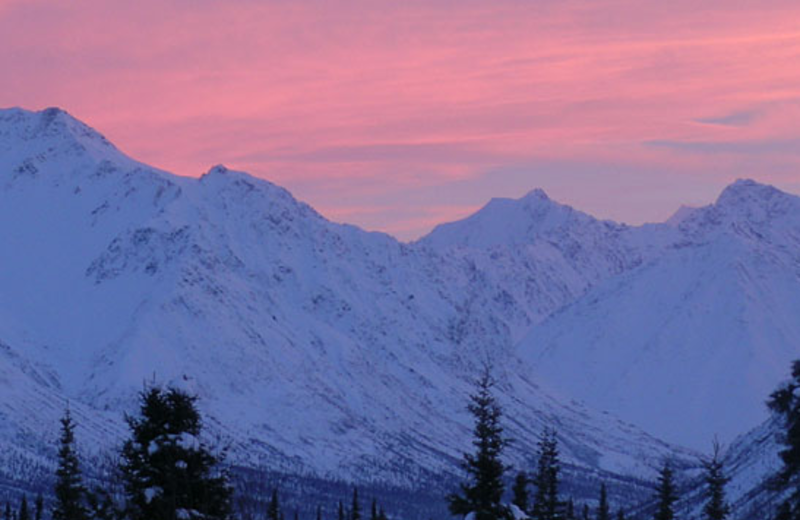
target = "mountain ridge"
x: 229, y: 286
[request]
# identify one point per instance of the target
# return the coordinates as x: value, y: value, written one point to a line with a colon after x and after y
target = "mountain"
x: 316, y: 348
x: 326, y: 353
x: 690, y: 343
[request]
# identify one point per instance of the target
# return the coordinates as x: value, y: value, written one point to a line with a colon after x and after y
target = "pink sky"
x: 396, y: 116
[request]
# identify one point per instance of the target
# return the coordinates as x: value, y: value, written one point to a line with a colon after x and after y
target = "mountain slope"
x: 689, y: 344
x: 315, y: 348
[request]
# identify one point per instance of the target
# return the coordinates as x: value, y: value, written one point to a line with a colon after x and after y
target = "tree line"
x: 166, y: 472
x: 481, y: 496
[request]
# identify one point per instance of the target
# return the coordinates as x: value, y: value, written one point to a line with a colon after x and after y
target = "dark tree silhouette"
x: 484, y: 489
x: 785, y: 402
x: 546, y: 503
x: 716, y: 507
x: 520, y: 492
x: 666, y: 495
x: 603, y: 511
x: 167, y: 470
x: 69, y: 490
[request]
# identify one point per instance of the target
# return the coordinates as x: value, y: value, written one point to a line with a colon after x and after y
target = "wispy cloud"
x: 353, y: 102
x: 749, y: 147
x: 740, y: 118
x: 429, y: 153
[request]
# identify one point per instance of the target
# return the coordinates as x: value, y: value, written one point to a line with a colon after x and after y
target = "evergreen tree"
x: 603, y: 512
x: 319, y: 512
x: 585, y: 515
x: 274, y: 509
x: 382, y: 514
x: 355, y: 513
x: 569, y: 514
x: 373, y: 510
x: 24, y: 514
x: 341, y: 511
x: 484, y: 489
x: 520, y: 492
x: 101, y: 505
x: 7, y: 513
x: 69, y: 489
x: 666, y: 495
x: 716, y: 507
x: 620, y: 515
x: 546, y: 503
x: 38, y: 507
x: 296, y: 515
x: 785, y: 402
x: 167, y: 471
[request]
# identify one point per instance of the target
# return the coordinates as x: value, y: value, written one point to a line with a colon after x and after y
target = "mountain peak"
x: 756, y: 202
x: 219, y: 169
x: 52, y: 129
x: 506, y: 222
x: 537, y: 194
x: 747, y: 190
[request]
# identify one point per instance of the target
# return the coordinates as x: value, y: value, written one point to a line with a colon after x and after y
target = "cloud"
x: 425, y: 104
x: 740, y: 118
x: 430, y: 153
x: 745, y: 147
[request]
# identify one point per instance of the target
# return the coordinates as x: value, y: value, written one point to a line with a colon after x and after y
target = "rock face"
x: 322, y: 349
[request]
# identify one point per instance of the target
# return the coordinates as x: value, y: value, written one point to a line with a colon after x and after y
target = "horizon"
x: 397, y: 118
x: 477, y: 208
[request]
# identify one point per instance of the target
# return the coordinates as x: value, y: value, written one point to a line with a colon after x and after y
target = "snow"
x: 151, y: 493
x: 114, y: 274
x: 517, y: 513
x: 690, y: 344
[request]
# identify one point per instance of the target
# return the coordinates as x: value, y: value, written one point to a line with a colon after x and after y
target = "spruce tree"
x: 666, y: 495
x: 274, y: 509
x: 484, y: 490
x: 520, y: 492
x: 341, y: 515
x: 546, y: 503
x: 382, y: 514
x: 585, y: 514
x: 319, y: 512
x: 569, y: 514
x: 101, y: 505
x: 24, y: 514
x: 373, y: 510
x: 603, y: 512
x: 7, y: 513
x: 716, y: 507
x: 355, y: 512
x: 38, y: 507
x: 620, y: 515
x: 167, y: 471
x: 785, y: 402
x: 69, y: 490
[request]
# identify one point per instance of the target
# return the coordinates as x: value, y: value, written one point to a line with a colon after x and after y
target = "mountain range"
x: 320, y: 349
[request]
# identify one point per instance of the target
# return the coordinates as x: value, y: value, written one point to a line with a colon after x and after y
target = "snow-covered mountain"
x: 315, y: 347
x: 320, y: 349
x: 689, y: 344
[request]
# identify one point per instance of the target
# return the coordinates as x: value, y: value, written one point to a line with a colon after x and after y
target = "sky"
x: 397, y: 116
